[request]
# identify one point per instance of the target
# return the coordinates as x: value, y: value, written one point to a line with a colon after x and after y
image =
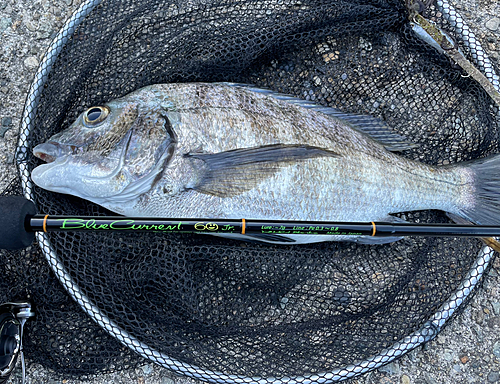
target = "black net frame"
x: 214, y: 349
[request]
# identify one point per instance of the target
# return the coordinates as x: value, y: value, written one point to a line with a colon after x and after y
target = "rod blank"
x: 20, y: 224
x: 49, y: 223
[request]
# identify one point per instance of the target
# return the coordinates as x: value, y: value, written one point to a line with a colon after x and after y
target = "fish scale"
x: 232, y: 151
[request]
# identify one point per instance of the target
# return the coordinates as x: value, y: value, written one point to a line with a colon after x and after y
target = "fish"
x: 232, y: 151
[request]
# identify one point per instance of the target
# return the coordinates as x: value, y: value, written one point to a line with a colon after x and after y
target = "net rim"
x: 427, y: 332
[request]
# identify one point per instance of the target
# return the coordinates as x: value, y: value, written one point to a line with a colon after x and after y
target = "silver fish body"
x: 230, y: 151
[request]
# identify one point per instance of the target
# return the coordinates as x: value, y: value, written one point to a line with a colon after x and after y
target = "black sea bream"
x: 232, y: 151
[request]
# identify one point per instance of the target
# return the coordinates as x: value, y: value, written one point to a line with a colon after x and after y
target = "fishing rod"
x: 48, y: 223
x: 21, y: 222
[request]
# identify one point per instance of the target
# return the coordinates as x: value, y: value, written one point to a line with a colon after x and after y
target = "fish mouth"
x: 52, y: 150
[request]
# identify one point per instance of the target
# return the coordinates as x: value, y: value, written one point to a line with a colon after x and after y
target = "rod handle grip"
x: 15, y: 212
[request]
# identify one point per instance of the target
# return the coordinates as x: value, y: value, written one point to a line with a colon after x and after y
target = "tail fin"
x: 485, y: 205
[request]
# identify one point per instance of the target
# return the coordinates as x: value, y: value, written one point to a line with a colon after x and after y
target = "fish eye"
x: 95, y: 116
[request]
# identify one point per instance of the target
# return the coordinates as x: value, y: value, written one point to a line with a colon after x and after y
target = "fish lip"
x: 51, y: 150
x: 37, y: 176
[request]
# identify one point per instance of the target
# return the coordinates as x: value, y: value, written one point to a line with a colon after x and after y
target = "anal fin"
x: 271, y: 238
x: 377, y: 240
x: 382, y: 239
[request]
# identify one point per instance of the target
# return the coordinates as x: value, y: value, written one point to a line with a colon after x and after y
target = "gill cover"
x: 111, y: 153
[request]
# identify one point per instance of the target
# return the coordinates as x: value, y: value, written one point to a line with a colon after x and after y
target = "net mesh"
x: 246, y: 309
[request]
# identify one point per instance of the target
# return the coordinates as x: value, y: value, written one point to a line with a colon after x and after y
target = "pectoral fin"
x: 233, y: 172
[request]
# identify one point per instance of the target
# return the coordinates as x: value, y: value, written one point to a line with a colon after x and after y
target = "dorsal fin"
x: 369, y: 125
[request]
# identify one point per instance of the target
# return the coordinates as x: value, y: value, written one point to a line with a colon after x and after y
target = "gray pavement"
x: 467, y: 351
